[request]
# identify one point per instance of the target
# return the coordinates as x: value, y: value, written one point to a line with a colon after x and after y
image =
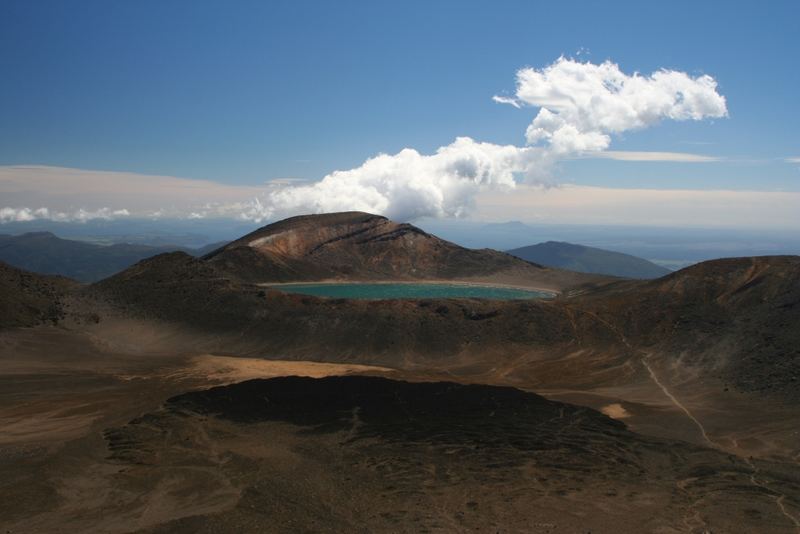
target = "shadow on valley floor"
x: 369, y: 454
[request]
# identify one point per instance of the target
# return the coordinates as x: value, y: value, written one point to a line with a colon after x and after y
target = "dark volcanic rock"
x: 391, y: 409
x: 365, y: 454
x: 28, y: 299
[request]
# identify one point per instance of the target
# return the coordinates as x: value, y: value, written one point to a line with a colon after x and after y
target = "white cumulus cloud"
x: 23, y: 214
x: 8, y: 214
x: 408, y: 184
x: 581, y: 104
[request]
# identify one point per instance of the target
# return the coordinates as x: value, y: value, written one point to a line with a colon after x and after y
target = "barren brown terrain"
x: 152, y: 402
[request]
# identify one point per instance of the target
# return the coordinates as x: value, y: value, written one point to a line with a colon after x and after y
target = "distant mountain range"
x: 589, y: 260
x: 324, y: 255
x: 45, y: 253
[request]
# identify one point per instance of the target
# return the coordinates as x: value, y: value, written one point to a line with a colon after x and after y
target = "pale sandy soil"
x: 57, y: 385
x: 228, y: 369
x: 615, y: 411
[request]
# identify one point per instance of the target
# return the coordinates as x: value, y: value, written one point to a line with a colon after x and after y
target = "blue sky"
x: 245, y: 92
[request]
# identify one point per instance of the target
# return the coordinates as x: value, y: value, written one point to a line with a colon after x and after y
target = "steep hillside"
x: 28, y: 299
x: 589, y: 260
x: 737, y: 316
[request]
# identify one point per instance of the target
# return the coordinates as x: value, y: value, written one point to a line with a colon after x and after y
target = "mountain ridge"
x: 587, y: 259
x: 45, y: 253
x: 363, y: 246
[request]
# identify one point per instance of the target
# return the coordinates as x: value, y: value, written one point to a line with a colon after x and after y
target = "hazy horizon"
x: 564, y: 123
x: 670, y: 247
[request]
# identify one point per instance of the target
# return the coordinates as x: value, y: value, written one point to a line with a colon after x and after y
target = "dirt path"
x: 677, y: 403
x: 646, y: 356
x: 778, y: 496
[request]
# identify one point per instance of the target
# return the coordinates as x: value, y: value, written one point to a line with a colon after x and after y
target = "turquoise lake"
x: 410, y: 291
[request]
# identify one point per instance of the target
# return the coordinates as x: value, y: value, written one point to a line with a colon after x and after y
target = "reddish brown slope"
x: 361, y: 246
x: 738, y: 318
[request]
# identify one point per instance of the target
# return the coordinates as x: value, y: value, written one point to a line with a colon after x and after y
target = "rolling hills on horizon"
x: 45, y: 253
x: 585, y: 259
